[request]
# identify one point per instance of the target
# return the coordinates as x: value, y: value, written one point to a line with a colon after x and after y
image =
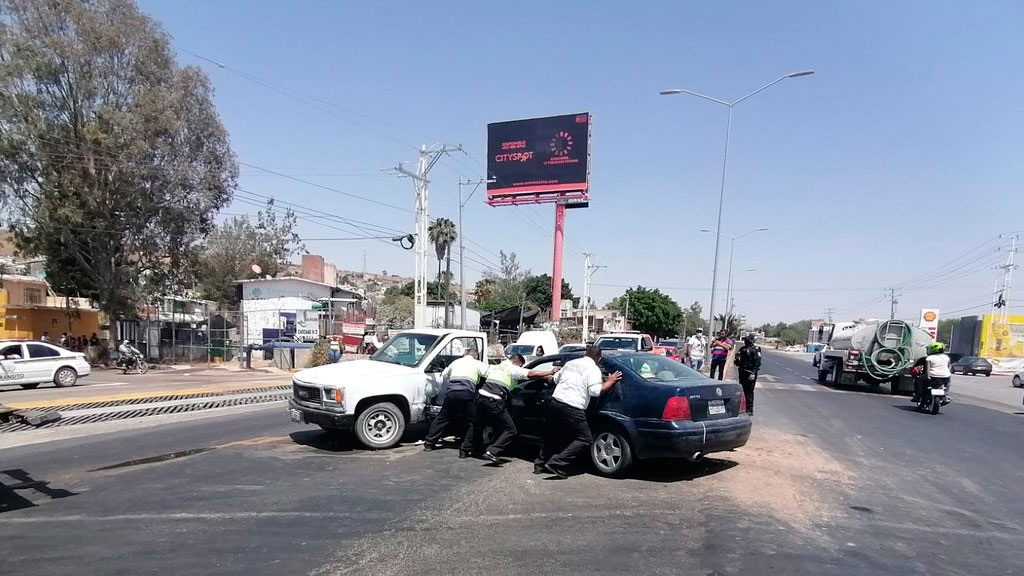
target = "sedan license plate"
x: 716, y: 407
x: 296, y: 415
x: 938, y: 392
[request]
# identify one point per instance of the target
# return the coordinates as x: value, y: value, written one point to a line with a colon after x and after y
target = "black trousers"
x: 456, y: 403
x: 719, y: 363
x: 493, y: 413
x: 566, y: 436
x: 748, y: 387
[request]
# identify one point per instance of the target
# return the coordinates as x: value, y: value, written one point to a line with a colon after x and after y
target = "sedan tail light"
x: 677, y: 408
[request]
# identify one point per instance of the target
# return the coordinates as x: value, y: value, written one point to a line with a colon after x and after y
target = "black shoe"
x: 539, y: 470
x: 429, y: 446
x: 492, y: 458
x: 556, y: 471
x: 463, y: 454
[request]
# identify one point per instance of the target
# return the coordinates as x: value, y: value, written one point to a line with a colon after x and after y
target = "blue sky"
x: 901, y: 153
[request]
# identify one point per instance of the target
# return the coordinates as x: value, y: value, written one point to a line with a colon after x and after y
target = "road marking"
x: 190, y: 516
x: 106, y: 385
x: 131, y: 396
x: 769, y: 378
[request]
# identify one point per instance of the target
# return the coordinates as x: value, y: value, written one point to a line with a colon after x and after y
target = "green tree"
x: 650, y: 311
x: 442, y: 235
x: 502, y: 288
x: 113, y: 160
x: 538, y: 291
x: 692, y: 320
x: 235, y: 245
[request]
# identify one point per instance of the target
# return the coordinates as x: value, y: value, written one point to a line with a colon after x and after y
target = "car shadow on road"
x: 10, y: 499
x: 341, y: 441
x: 664, y: 471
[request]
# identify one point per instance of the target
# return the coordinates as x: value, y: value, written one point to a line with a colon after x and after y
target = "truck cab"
x: 629, y: 340
x: 378, y: 397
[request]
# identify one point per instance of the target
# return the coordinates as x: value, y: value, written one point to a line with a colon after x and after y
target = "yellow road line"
x: 136, y: 395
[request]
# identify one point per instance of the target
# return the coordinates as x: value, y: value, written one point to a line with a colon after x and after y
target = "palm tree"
x: 732, y: 324
x: 442, y: 234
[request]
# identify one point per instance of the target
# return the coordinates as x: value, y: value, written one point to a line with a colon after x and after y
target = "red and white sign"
x: 930, y: 321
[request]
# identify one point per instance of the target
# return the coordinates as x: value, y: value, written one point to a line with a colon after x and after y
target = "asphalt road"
x: 833, y: 482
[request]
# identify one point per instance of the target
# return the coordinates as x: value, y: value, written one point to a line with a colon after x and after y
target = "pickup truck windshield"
x: 617, y: 343
x: 406, y: 349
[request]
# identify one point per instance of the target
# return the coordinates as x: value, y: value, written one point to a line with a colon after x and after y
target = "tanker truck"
x: 873, y: 352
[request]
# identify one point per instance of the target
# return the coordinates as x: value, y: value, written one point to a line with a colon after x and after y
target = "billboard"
x: 539, y: 160
x: 1002, y: 341
x: 930, y: 321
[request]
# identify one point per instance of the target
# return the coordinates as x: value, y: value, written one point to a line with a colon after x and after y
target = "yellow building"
x: 29, y: 309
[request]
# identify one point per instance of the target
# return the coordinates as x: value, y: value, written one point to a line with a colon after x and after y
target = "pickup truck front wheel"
x: 380, y: 426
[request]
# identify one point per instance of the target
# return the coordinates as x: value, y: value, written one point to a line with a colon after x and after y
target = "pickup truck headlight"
x: 334, y: 395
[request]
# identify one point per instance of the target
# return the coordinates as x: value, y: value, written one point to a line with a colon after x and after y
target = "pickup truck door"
x: 433, y: 391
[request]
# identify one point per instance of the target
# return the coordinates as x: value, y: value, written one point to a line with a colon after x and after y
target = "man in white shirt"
x: 462, y: 376
x: 566, y: 434
x: 696, y: 347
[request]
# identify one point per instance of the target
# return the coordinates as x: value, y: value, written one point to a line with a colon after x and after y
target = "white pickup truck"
x: 378, y: 397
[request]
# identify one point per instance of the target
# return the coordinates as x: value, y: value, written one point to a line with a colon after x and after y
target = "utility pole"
x: 462, y: 247
x: 428, y: 159
x: 893, y: 293
x: 364, y: 262
x: 627, y: 310
x: 589, y: 269
x: 828, y: 314
x: 1002, y: 300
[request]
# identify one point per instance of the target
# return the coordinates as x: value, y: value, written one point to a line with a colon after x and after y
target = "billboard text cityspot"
x: 544, y: 158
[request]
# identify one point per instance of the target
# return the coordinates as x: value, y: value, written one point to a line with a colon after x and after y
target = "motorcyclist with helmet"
x: 128, y: 354
x: 936, y: 371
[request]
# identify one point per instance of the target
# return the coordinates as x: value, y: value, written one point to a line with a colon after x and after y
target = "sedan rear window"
x: 656, y: 368
x: 41, y: 351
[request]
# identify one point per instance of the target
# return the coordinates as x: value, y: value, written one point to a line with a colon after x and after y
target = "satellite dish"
x: 256, y: 269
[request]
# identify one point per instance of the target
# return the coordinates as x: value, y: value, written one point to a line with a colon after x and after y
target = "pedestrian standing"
x: 720, y: 348
x: 566, y: 433
x: 462, y: 377
x: 492, y: 404
x: 748, y: 362
x: 94, y: 340
x: 696, y: 348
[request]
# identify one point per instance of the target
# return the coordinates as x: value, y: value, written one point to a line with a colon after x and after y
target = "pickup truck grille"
x: 307, y: 394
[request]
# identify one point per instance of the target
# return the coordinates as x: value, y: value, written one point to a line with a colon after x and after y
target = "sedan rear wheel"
x: 1017, y: 382
x: 65, y: 377
x: 611, y: 453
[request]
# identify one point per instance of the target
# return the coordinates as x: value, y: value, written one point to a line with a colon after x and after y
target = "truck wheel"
x: 611, y: 453
x: 380, y: 426
x: 837, y: 375
x: 822, y: 376
x: 65, y: 377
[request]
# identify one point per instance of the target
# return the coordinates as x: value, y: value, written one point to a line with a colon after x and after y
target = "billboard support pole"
x: 556, y: 268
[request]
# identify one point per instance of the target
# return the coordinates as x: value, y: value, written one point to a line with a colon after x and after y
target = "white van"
x: 533, y: 344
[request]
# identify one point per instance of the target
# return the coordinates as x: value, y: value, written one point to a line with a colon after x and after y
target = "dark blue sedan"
x: 660, y: 409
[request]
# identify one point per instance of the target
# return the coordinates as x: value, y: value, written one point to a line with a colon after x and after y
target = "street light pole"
x: 725, y: 164
x: 732, y: 246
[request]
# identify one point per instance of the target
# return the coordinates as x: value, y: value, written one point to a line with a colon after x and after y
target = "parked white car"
x: 1018, y: 378
x: 30, y: 363
x: 378, y: 397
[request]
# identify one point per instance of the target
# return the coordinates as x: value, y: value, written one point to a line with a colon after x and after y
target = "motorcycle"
x: 933, y: 393
x: 133, y: 363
